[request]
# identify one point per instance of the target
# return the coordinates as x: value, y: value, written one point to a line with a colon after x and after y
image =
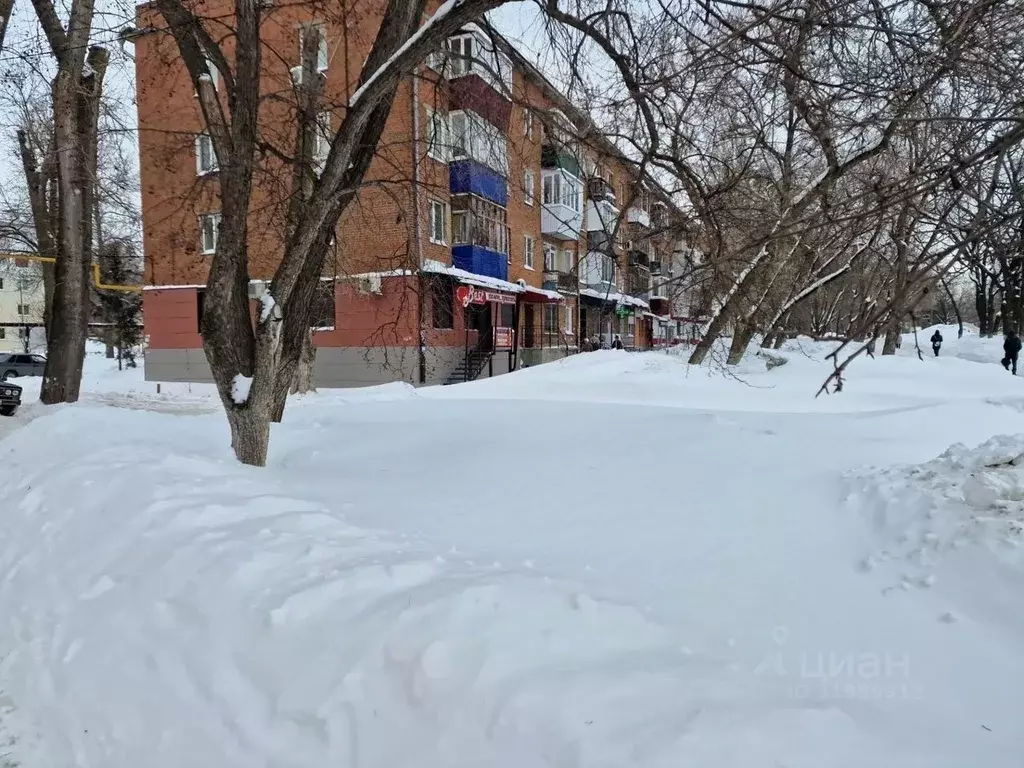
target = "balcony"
x: 597, y: 271
x: 639, y: 216
x: 480, y: 261
x: 473, y: 178
x: 553, y: 156
x: 638, y: 281
x: 640, y: 259
x: 655, y: 268
x: 601, y: 215
x: 472, y: 92
x: 560, y: 221
x: 560, y: 281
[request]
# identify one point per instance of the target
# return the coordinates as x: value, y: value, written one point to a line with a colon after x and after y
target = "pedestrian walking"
x: 1011, y: 350
x: 936, y: 342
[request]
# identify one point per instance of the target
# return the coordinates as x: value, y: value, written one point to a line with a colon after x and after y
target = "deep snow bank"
x: 958, y: 519
x: 166, y: 606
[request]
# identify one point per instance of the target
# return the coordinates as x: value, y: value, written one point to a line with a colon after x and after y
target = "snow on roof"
x: 471, y: 278
x: 615, y: 296
x: 554, y: 295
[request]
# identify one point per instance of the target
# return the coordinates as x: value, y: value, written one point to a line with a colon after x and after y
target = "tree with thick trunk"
x: 76, y: 89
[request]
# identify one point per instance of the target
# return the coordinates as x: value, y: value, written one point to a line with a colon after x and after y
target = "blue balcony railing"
x: 480, y: 261
x: 470, y: 177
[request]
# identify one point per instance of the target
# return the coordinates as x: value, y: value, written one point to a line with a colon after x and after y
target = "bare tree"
x: 77, y: 89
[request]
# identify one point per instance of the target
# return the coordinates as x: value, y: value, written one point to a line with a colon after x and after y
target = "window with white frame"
x: 209, y: 231
x: 564, y: 260
x: 206, y: 158
x: 474, y: 137
x: 562, y: 189
x: 568, y: 320
x: 528, y: 183
x: 461, y: 60
x: 438, y: 222
x: 475, y: 53
x: 321, y: 52
x: 527, y: 122
x: 23, y: 309
x: 322, y: 138
x: 550, y: 256
x: 529, y: 244
x: 438, y: 141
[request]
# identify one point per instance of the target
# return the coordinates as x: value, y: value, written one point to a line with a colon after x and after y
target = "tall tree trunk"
x: 76, y: 116
x: 303, y: 381
x: 740, y: 341
x: 892, y: 335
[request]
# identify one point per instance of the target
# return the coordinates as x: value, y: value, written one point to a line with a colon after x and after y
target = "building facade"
x: 493, y: 230
x: 21, y: 307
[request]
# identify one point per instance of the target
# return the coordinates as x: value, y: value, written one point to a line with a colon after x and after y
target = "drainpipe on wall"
x: 421, y: 353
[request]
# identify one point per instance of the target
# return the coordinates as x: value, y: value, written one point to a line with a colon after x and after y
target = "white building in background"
x: 21, y: 307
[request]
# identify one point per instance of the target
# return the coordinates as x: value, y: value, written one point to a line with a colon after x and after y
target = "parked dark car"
x: 12, y: 365
x: 10, y: 398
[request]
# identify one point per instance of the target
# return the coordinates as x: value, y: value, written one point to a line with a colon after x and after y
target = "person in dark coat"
x: 617, y: 344
x: 936, y: 342
x: 1011, y: 348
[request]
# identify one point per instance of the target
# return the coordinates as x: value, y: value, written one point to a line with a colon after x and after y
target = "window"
x: 550, y: 319
x: 550, y: 255
x: 472, y: 136
x: 1, y: 283
x: 562, y: 189
x: 607, y: 268
x: 322, y: 139
x: 443, y: 304
x: 438, y: 141
x: 23, y: 334
x: 568, y: 320
x: 507, y: 317
x: 564, y: 260
x: 480, y: 222
x: 321, y: 53
x: 209, y: 226
x: 528, y: 122
x: 528, y: 179
x: 206, y: 160
x: 462, y: 55
x: 23, y: 309
x: 528, y: 247
x: 200, y: 296
x: 438, y: 222
x: 3, y: 333
x: 436, y: 60
x: 471, y: 53
x: 321, y: 314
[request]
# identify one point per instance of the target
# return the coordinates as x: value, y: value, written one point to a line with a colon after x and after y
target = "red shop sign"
x: 468, y: 294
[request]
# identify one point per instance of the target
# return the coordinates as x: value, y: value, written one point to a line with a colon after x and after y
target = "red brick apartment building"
x: 484, y: 227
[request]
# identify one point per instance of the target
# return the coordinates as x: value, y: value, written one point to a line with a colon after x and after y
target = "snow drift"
x: 616, y: 560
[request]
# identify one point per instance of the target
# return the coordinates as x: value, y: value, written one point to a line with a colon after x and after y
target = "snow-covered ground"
x: 611, y: 560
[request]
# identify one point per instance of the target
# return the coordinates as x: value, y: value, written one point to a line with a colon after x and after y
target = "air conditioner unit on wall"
x: 370, y: 284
